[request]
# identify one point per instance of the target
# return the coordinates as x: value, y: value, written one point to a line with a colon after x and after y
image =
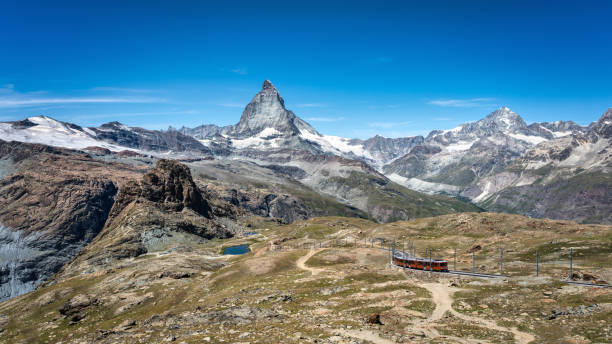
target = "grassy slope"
x: 311, y: 306
x: 388, y: 201
x: 583, y: 198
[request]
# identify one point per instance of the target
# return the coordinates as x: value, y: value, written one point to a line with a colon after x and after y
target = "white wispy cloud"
x: 122, y: 89
x: 325, y: 119
x: 24, y: 101
x: 388, y: 125
x: 135, y: 114
x: 239, y: 70
x: 471, y: 102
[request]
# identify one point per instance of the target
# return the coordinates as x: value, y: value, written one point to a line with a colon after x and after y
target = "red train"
x: 403, y: 260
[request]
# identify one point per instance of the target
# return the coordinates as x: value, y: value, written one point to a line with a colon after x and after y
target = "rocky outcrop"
x: 52, y: 203
x: 164, y: 209
x: 169, y: 186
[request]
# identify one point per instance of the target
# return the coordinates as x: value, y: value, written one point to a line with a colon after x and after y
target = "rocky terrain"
x: 163, y: 209
x: 341, y: 291
x: 500, y: 163
x: 566, y: 178
x: 53, y: 202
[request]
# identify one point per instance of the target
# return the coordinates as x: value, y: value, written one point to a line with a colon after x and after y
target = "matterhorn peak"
x: 267, y: 85
x: 267, y: 111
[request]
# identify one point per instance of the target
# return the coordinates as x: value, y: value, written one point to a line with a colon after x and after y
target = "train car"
x: 403, y: 260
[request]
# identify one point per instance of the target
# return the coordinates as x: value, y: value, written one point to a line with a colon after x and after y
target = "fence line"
x: 408, y: 249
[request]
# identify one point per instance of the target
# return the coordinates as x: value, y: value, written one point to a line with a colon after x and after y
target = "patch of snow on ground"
x: 486, y: 190
x: 262, y: 139
x: 528, y: 138
x: 268, y: 132
x: 561, y: 133
x: 459, y: 146
x: 454, y: 130
x: 422, y: 185
x: 336, y: 144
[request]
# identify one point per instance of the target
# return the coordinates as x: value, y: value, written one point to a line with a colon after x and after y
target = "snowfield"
x: 54, y: 133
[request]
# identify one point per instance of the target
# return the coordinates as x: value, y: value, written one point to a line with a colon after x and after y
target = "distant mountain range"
x: 558, y: 170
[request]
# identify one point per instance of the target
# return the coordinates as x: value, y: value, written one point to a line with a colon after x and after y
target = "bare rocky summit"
x: 164, y: 209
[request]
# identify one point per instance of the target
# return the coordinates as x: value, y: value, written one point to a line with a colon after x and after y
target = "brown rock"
x: 475, y: 248
x: 76, y: 307
x: 374, y: 319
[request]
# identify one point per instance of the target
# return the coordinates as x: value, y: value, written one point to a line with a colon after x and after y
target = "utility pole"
x: 501, y: 261
x: 455, y: 263
x: 537, y: 263
x: 473, y: 263
x: 571, y: 274
x: 403, y: 256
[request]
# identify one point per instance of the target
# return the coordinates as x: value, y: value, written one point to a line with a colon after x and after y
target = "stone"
x: 374, y: 319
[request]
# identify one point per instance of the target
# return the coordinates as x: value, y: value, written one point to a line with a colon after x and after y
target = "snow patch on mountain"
x: 459, y: 146
x: 423, y: 186
x: 528, y: 138
x: 335, y: 144
x: 268, y: 137
x: 46, y: 130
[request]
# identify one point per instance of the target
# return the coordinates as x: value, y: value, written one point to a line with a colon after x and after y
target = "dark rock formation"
x: 169, y: 185
x: 164, y: 209
x: 53, y: 202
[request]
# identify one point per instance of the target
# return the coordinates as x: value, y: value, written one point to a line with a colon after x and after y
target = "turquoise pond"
x: 236, y: 250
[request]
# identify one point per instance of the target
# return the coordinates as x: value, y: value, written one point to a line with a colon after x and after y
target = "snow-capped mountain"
x: 113, y: 136
x: 451, y: 160
x: 479, y: 160
x: 267, y: 125
x: 569, y: 177
x: 46, y: 130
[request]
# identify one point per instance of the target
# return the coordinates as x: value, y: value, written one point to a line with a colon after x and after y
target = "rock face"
x: 267, y: 111
x: 169, y: 185
x: 52, y: 203
x: 164, y: 209
x: 149, y: 140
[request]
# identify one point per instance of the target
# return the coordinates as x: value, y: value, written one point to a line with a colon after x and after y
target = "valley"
x: 117, y: 234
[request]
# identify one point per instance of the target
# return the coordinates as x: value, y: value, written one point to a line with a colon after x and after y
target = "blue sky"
x: 350, y: 68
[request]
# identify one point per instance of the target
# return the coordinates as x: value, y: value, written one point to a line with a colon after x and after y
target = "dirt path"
x: 363, y: 335
x: 301, y: 263
x: 442, y: 297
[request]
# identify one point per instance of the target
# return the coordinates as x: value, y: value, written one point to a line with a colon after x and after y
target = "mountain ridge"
x: 474, y: 160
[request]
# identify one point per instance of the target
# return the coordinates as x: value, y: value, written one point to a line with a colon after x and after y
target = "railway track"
x: 588, y: 284
x: 455, y: 272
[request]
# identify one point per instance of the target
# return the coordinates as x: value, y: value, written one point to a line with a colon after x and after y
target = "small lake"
x: 236, y: 250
